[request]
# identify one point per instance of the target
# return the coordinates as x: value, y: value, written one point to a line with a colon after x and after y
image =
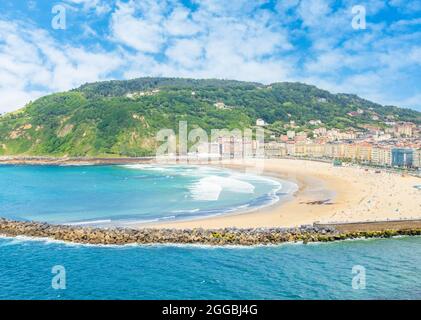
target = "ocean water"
x: 290, y: 271
x: 122, y: 195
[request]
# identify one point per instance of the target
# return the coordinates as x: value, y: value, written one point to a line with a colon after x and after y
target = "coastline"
x: 327, y: 195
x: 71, y: 161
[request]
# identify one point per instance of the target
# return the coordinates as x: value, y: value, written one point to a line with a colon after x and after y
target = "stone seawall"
x: 228, y: 236
x: 373, y: 225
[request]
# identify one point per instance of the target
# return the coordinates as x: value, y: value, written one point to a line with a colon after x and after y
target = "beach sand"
x: 356, y: 194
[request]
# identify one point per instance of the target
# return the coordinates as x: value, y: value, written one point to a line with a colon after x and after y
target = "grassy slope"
x: 100, y: 120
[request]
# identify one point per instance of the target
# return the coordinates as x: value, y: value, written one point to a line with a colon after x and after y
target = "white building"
x: 416, y: 162
x: 315, y: 122
x: 320, y: 131
x: 220, y: 105
x: 260, y: 122
x: 290, y: 134
x: 381, y: 156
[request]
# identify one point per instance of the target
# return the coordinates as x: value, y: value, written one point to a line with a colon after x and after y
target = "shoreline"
x: 71, y: 161
x: 326, y: 194
x: 303, y: 182
x: 240, y: 211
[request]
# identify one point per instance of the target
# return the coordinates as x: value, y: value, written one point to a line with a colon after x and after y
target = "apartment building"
x: 416, y: 161
x: 381, y: 155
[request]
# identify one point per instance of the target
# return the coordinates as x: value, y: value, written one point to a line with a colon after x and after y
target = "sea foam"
x: 210, y: 188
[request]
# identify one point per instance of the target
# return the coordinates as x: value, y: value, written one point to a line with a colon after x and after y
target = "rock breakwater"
x: 227, y: 236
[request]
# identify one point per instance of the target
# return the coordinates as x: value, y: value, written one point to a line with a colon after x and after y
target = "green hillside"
x: 121, y: 118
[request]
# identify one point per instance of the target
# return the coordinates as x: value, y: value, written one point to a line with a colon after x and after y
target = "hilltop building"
x: 290, y: 134
x: 220, y: 105
x: 260, y: 122
x: 404, y: 129
x: 315, y: 122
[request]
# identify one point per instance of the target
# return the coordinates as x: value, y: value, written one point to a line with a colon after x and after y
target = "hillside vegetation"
x: 121, y: 118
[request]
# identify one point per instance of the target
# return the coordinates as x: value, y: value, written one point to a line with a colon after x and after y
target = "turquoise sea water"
x: 121, y: 195
x: 291, y: 271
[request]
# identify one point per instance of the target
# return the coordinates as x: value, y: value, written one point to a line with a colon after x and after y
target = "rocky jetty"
x: 227, y: 236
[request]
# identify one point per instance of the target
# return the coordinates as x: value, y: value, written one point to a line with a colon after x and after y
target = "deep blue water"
x: 121, y: 195
x: 291, y: 271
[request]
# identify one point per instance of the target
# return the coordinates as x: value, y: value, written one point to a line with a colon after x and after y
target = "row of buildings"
x: 392, y: 155
x: 397, y: 144
x: 395, y: 130
x: 364, y: 152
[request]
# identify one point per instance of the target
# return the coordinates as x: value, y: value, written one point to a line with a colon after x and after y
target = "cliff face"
x: 121, y: 118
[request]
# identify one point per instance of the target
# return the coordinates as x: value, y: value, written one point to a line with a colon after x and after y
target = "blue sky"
x: 310, y: 41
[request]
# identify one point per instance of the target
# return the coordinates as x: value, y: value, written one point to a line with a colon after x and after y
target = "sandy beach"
x: 355, y: 195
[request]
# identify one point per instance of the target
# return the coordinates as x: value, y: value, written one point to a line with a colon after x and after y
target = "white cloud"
x: 186, y: 52
x: 415, y: 55
x: 314, y: 12
x: 301, y: 40
x: 406, y: 5
x: 212, y: 41
x: 180, y: 23
x: 11, y: 97
x: 100, y: 7
x: 141, y: 33
x: 32, y: 4
x: 33, y: 64
x: 402, y: 24
x: 413, y: 101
